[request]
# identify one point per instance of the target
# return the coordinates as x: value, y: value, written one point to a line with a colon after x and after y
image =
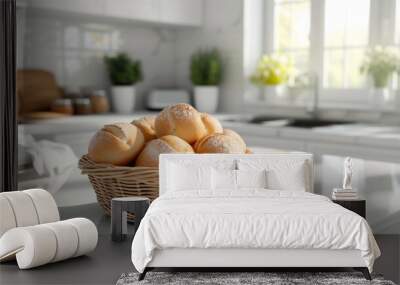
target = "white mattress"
x: 257, y: 219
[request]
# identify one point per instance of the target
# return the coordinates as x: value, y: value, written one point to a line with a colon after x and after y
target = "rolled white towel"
x: 40, y: 244
x: 45, y: 206
x: 32, y: 246
x: 67, y: 240
x: 7, y: 220
x: 26, y: 208
x: 87, y: 233
x: 23, y: 208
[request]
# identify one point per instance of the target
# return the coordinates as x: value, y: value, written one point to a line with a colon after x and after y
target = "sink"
x: 263, y: 119
x: 314, y: 123
x: 287, y: 122
x: 296, y: 123
x: 253, y: 119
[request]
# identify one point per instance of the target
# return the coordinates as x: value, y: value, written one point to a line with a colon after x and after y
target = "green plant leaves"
x: 206, y: 67
x: 123, y: 70
x: 380, y: 63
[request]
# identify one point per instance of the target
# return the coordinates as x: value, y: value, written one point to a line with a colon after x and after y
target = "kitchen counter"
x: 370, y: 142
x: 376, y: 181
x: 82, y: 123
x: 78, y: 123
x: 367, y: 141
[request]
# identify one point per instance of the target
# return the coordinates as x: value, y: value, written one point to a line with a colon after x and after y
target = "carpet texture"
x: 268, y: 278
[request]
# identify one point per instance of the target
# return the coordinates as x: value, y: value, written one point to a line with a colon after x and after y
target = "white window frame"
x: 381, y: 31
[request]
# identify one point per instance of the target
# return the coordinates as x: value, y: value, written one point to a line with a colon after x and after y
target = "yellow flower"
x: 273, y: 69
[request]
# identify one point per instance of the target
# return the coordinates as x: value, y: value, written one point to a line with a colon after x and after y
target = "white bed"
x: 248, y: 227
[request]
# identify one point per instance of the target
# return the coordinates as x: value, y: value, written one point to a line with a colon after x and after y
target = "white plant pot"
x: 379, y: 97
x: 274, y: 92
x: 397, y: 99
x: 206, y: 98
x: 123, y: 99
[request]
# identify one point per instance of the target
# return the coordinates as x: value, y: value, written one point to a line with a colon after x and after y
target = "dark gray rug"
x: 269, y: 278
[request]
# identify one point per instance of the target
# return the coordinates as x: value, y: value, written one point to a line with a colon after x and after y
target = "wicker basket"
x: 110, y: 181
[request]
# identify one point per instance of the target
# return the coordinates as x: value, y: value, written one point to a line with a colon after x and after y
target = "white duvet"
x: 250, y: 219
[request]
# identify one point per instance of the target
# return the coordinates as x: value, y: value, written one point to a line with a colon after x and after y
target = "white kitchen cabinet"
x: 141, y: 10
x: 356, y: 151
x: 87, y: 7
x: 172, y: 12
x: 274, y: 143
x: 181, y: 12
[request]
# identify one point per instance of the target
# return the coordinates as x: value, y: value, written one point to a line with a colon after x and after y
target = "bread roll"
x: 212, y: 125
x: 146, y: 126
x: 117, y: 144
x: 235, y: 135
x: 219, y: 143
x: 166, y: 144
x: 249, y: 151
x: 186, y: 122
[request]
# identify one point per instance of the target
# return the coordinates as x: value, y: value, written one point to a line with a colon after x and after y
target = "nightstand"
x: 119, y: 211
x: 357, y: 206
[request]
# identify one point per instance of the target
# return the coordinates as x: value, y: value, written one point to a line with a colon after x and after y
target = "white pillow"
x: 295, y: 181
x: 223, y: 179
x: 183, y: 178
x: 282, y: 174
x: 251, y: 178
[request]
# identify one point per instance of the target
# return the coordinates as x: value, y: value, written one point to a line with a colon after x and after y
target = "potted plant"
x: 273, y: 72
x: 302, y: 87
x: 380, y: 63
x: 398, y: 83
x: 206, y: 74
x: 124, y: 74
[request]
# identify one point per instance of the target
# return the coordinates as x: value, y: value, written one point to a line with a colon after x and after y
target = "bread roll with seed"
x: 212, y: 125
x: 186, y: 122
x: 235, y: 135
x: 219, y: 143
x: 166, y: 144
x: 118, y: 144
x: 146, y: 126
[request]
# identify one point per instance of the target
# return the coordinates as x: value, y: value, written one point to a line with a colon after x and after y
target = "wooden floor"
x: 111, y: 259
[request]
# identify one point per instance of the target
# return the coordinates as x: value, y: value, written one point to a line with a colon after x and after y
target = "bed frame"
x: 246, y: 259
x: 234, y: 259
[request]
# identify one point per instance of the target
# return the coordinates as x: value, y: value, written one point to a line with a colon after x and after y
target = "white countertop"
x: 76, y: 124
x: 376, y: 136
x: 82, y: 123
x: 358, y: 134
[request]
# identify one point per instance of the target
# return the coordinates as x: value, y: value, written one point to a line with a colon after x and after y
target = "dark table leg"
x: 116, y: 221
x: 119, y: 216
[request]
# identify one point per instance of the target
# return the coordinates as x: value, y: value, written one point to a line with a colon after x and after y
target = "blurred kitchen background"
x: 320, y: 76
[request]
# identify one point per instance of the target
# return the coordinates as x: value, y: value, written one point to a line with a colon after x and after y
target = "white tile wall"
x: 73, y: 48
x: 223, y: 28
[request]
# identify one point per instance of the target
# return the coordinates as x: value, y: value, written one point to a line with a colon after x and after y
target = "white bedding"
x: 250, y: 219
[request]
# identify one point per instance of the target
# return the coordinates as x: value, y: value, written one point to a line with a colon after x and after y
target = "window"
x: 396, y: 81
x: 329, y: 38
x: 397, y: 37
x: 345, y: 41
x: 292, y: 29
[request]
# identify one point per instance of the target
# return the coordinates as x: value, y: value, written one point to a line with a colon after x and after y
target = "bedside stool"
x: 119, y: 208
x: 357, y: 206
